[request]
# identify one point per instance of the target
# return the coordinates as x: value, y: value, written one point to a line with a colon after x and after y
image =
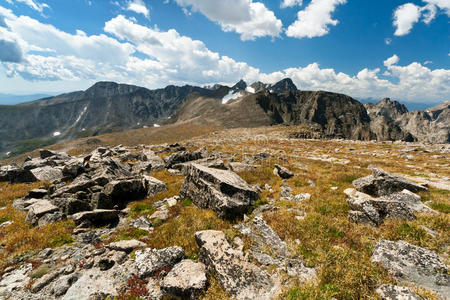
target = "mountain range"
x: 109, y: 107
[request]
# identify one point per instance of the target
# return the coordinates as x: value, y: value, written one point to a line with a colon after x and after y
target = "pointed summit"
x: 283, y: 86
x: 241, y: 85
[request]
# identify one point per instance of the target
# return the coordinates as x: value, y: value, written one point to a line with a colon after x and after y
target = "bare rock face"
x: 14, y: 174
x: 150, y: 261
x: 222, y: 191
x: 48, y: 174
x: 39, y: 209
x: 123, y: 191
x: 185, y: 156
x: 238, y: 277
x: 407, y: 262
x: 187, y: 279
x: 282, y: 172
x: 382, y: 183
x: 373, y: 211
x: 394, y: 292
x: 98, y: 216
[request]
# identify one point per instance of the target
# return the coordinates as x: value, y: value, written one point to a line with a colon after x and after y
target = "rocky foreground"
x: 251, y: 245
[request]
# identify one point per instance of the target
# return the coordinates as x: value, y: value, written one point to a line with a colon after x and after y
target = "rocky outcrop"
x: 187, y: 279
x: 394, y: 292
x: 222, y: 191
x: 383, y: 195
x: 150, y: 261
x: 407, y: 262
x: 391, y: 120
x: 238, y: 277
x: 282, y: 172
x: 373, y: 211
x: 382, y: 183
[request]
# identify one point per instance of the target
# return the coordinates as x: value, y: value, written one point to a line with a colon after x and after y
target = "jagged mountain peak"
x: 241, y: 85
x: 283, y: 85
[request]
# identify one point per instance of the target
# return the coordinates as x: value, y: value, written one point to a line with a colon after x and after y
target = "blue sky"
x: 366, y: 49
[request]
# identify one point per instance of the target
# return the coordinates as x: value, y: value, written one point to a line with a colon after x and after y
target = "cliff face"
x: 392, y: 121
x: 338, y: 115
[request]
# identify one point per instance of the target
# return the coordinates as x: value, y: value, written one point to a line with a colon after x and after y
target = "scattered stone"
x: 373, y: 211
x: 238, y: 277
x: 186, y: 279
x: 97, y: 217
x: 14, y: 174
x: 185, y: 156
x: 407, y: 262
x: 282, y: 172
x: 126, y: 246
x: 45, y: 280
x: 142, y: 223
x: 39, y: 209
x: 63, y: 283
x: 222, y: 191
x: 37, y: 193
x: 382, y: 183
x: 47, y: 174
x: 150, y: 261
x: 14, y: 280
x: 395, y: 292
x: 154, y: 186
x: 241, y: 167
x: 51, y: 218
x: 302, y: 197
x: 123, y: 191
x: 91, y: 282
x: 161, y: 214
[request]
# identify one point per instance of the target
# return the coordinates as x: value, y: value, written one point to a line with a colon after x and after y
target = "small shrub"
x: 40, y: 271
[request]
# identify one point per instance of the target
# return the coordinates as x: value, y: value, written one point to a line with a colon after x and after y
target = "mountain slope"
x: 105, y: 107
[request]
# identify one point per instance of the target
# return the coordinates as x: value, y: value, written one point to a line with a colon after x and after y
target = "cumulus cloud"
x: 138, y: 6
x: 10, y: 51
x: 406, y: 15
x: 391, y: 61
x: 167, y: 57
x: 291, y: 3
x: 249, y: 19
x: 33, y: 4
x: 315, y: 19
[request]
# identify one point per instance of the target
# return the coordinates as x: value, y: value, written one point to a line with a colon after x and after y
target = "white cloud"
x: 391, y: 61
x: 291, y: 3
x: 33, y: 4
x: 167, y: 57
x: 249, y: 19
x: 138, y: 6
x: 315, y: 19
x: 406, y: 15
x: 388, y: 41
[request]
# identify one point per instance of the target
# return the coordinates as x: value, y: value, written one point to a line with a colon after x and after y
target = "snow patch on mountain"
x: 231, y: 96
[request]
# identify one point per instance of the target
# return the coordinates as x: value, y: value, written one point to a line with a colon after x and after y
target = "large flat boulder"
x: 48, y: 174
x: 222, y: 191
x: 98, y: 216
x: 39, y: 209
x: 187, y: 279
x: 151, y: 261
x: 185, y: 156
x: 382, y: 183
x: 414, y: 264
x: 373, y: 211
x: 123, y: 191
x: 237, y: 276
x: 15, y: 174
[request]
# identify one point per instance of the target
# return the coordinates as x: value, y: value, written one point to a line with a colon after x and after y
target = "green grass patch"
x: 60, y: 240
x: 131, y: 234
x: 442, y: 207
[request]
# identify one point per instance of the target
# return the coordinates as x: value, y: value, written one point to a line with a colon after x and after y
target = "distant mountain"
x: 391, y: 120
x: 105, y: 107
x: 10, y: 99
x: 108, y: 107
x: 411, y: 106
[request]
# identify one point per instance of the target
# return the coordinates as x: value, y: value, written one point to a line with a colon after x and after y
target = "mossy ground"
x: 325, y: 239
